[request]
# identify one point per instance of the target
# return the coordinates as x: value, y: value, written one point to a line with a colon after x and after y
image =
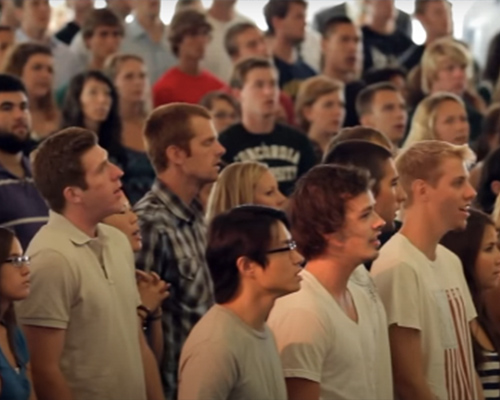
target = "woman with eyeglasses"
x: 15, y: 377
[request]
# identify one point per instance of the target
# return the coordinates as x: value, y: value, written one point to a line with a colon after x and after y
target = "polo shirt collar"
x: 26, y: 166
x: 74, y: 234
x: 175, y: 205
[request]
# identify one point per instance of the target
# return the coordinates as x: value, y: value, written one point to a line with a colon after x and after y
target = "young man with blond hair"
x: 429, y: 308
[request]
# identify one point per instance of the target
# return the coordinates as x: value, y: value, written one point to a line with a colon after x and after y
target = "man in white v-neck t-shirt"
x: 325, y: 331
x: 428, y: 305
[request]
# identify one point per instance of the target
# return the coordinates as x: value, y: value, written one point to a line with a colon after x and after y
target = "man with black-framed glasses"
x: 325, y: 333
x: 231, y: 352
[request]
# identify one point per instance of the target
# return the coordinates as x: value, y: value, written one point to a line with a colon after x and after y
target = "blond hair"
x: 444, y: 49
x: 495, y: 215
x: 424, y: 120
x: 423, y: 160
x: 310, y: 91
x: 235, y: 187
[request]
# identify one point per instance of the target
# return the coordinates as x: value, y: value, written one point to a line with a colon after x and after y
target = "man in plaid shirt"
x: 185, y: 153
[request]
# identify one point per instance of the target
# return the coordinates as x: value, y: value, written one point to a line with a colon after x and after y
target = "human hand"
x: 152, y: 289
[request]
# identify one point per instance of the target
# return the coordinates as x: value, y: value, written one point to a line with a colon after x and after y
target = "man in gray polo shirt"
x: 80, y: 320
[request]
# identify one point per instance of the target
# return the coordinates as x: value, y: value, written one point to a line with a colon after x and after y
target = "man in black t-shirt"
x: 383, y: 43
x: 286, y: 21
x: 258, y: 137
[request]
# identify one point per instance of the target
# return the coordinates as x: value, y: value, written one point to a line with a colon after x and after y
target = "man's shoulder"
x: 228, y: 135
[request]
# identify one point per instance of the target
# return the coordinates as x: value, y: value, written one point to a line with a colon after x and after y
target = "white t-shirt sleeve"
x: 398, y: 288
x: 209, y: 371
x: 302, y: 343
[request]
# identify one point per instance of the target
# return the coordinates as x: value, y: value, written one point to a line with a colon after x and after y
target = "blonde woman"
x: 320, y: 110
x: 447, y: 66
x: 33, y: 63
x: 441, y: 116
x: 244, y: 183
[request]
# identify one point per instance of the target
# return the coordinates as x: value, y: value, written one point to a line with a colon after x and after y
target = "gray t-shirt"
x: 224, y: 358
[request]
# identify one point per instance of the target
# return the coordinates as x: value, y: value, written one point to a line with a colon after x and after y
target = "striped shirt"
x: 489, y: 373
x: 174, y: 241
x: 22, y: 208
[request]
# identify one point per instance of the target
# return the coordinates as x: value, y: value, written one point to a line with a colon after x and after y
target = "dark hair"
x: 10, y: 83
x: 100, y: 17
x: 232, y: 33
x: 278, y: 9
x: 492, y: 67
x: 170, y: 125
x: 466, y: 244
x: 361, y: 154
x: 186, y: 22
x: 323, y: 191
x: 57, y: 164
x: 245, y: 231
x: 490, y: 129
x: 18, y: 3
x: 9, y: 319
x: 332, y: 23
x: 207, y: 101
x: 244, y: 67
x: 490, y: 172
x: 360, y: 133
x: 110, y: 130
x: 379, y: 75
x: 364, y: 100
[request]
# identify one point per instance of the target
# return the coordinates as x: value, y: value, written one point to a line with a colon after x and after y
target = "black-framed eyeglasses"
x: 291, y: 246
x: 18, y: 261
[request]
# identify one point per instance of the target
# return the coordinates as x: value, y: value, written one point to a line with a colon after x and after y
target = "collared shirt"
x: 86, y: 286
x: 22, y: 208
x: 66, y: 64
x: 156, y: 55
x: 174, y: 241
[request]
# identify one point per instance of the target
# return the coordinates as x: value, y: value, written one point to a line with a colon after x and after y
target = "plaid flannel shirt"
x: 174, y: 242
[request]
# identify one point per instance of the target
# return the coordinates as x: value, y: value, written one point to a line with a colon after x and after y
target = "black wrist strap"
x: 145, y: 309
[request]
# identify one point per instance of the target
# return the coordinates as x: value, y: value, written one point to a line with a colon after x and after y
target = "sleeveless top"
x: 15, y: 383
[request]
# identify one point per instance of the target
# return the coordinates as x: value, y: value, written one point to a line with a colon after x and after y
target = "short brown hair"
x: 422, y: 160
x: 57, y: 164
x: 243, y: 68
x: 231, y: 35
x: 186, y: 22
x: 278, y: 9
x: 360, y: 133
x: 100, y: 17
x: 364, y: 100
x: 310, y: 91
x: 361, y: 154
x: 324, y: 190
x: 16, y: 59
x: 170, y: 125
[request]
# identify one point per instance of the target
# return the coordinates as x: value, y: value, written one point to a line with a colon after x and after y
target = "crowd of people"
x: 203, y: 210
